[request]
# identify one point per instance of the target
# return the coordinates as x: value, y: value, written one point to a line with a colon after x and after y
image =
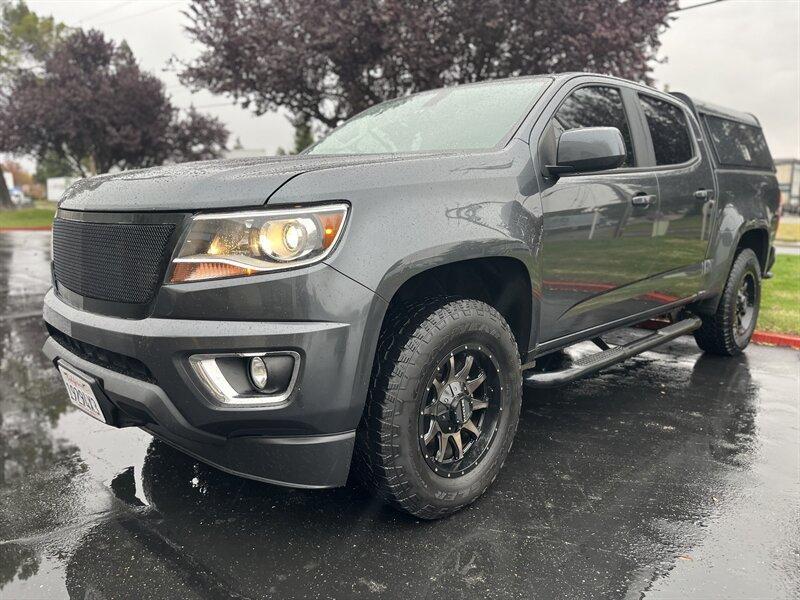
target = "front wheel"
x: 728, y: 331
x: 443, y: 406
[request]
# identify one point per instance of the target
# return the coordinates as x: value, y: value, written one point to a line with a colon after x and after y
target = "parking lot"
x: 674, y: 475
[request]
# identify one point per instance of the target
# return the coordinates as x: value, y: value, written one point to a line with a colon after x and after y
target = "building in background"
x: 245, y: 153
x: 788, y: 174
x: 56, y: 186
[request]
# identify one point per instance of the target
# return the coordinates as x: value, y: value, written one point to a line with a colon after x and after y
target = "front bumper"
x: 298, y: 461
x: 306, y: 441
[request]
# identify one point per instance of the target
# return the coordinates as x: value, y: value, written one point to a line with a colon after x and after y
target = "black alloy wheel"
x: 460, y: 411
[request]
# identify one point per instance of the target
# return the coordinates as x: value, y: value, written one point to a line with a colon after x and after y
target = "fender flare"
x: 728, y: 242
x: 438, y: 256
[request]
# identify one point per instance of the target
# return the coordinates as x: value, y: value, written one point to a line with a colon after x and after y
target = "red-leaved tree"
x: 91, y: 104
x: 326, y: 60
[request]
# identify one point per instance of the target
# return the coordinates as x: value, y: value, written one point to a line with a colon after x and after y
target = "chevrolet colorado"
x: 375, y: 305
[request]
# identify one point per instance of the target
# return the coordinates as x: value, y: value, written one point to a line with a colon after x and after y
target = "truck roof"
x: 696, y: 104
x: 701, y: 106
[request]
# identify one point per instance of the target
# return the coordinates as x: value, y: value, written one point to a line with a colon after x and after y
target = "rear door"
x: 686, y: 191
x: 597, y: 249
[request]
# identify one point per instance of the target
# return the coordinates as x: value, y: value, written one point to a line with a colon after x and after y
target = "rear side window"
x: 595, y: 106
x: 737, y: 144
x: 668, y: 130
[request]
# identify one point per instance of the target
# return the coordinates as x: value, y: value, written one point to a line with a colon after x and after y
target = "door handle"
x: 703, y: 194
x: 643, y: 200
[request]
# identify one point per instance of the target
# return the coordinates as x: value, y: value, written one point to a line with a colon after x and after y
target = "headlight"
x: 244, y: 243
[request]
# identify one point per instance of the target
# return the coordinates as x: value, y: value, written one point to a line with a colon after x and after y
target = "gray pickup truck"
x: 373, y: 307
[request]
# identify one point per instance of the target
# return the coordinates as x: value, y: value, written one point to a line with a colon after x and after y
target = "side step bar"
x: 600, y: 360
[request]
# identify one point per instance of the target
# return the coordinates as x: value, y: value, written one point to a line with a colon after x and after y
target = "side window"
x: 595, y: 106
x: 737, y: 144
x: 668, y: 130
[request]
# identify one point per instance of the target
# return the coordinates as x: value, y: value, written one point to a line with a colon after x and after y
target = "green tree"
x: 52, y: 165
x: 303, y: 138
x: 25, y: 41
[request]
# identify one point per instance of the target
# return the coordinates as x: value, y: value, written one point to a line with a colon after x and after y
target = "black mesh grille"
x: 117, y: 262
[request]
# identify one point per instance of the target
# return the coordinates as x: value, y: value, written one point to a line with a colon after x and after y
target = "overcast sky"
x: 740, y: 53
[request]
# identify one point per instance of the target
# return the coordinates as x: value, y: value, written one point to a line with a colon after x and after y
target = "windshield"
x: 471, y: 117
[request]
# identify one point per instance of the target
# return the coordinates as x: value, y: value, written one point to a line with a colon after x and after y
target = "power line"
x: 139, y: 14
x: 105, y: 11
x: 697, y: 5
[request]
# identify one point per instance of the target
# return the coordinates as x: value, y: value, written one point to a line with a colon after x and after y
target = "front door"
x: 598, y: 246
x: 686, y: 192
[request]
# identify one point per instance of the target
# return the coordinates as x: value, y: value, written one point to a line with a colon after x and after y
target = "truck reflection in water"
x: 198, y: 532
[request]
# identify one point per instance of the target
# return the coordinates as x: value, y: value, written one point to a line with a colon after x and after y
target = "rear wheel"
x: 443, y: 406
x: 728, y: 331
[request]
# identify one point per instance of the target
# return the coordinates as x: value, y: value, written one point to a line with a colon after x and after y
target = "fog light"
x: 258, y: 372
x: 248, y: 378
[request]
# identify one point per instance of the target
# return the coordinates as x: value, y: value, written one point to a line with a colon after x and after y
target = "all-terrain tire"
x: 718, y: 334
x: 388, y: 456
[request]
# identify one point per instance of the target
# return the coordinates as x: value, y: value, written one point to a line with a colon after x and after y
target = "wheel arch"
x: 753, y: 235
x: 503, y: 282
x: 756, y: 238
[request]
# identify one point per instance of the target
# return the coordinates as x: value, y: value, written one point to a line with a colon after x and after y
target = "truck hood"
x: 202, y: 185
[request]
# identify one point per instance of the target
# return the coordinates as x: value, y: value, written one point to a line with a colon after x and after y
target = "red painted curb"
x: 777, y: 339
x: 41, y: 228
x: 759, y: 337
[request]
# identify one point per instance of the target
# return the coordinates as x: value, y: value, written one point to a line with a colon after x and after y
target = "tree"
x: 95, y: 108
x: 25, y: 39
x: 195, y: 136
x: 51, y: 165
x: 327, y: 60
x: 303, y: 138
x: 21, y: 176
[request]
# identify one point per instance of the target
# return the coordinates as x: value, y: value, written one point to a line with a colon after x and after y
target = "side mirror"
x: 589, y: 149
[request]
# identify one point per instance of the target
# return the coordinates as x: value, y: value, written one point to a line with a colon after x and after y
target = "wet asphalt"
x: 676, y: 475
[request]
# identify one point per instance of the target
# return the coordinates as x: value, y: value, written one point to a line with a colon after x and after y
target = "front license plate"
x: 81, y: 393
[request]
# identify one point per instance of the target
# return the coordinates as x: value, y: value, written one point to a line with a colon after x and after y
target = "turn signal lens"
x: 206, y: 270
x: 249, y: 242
